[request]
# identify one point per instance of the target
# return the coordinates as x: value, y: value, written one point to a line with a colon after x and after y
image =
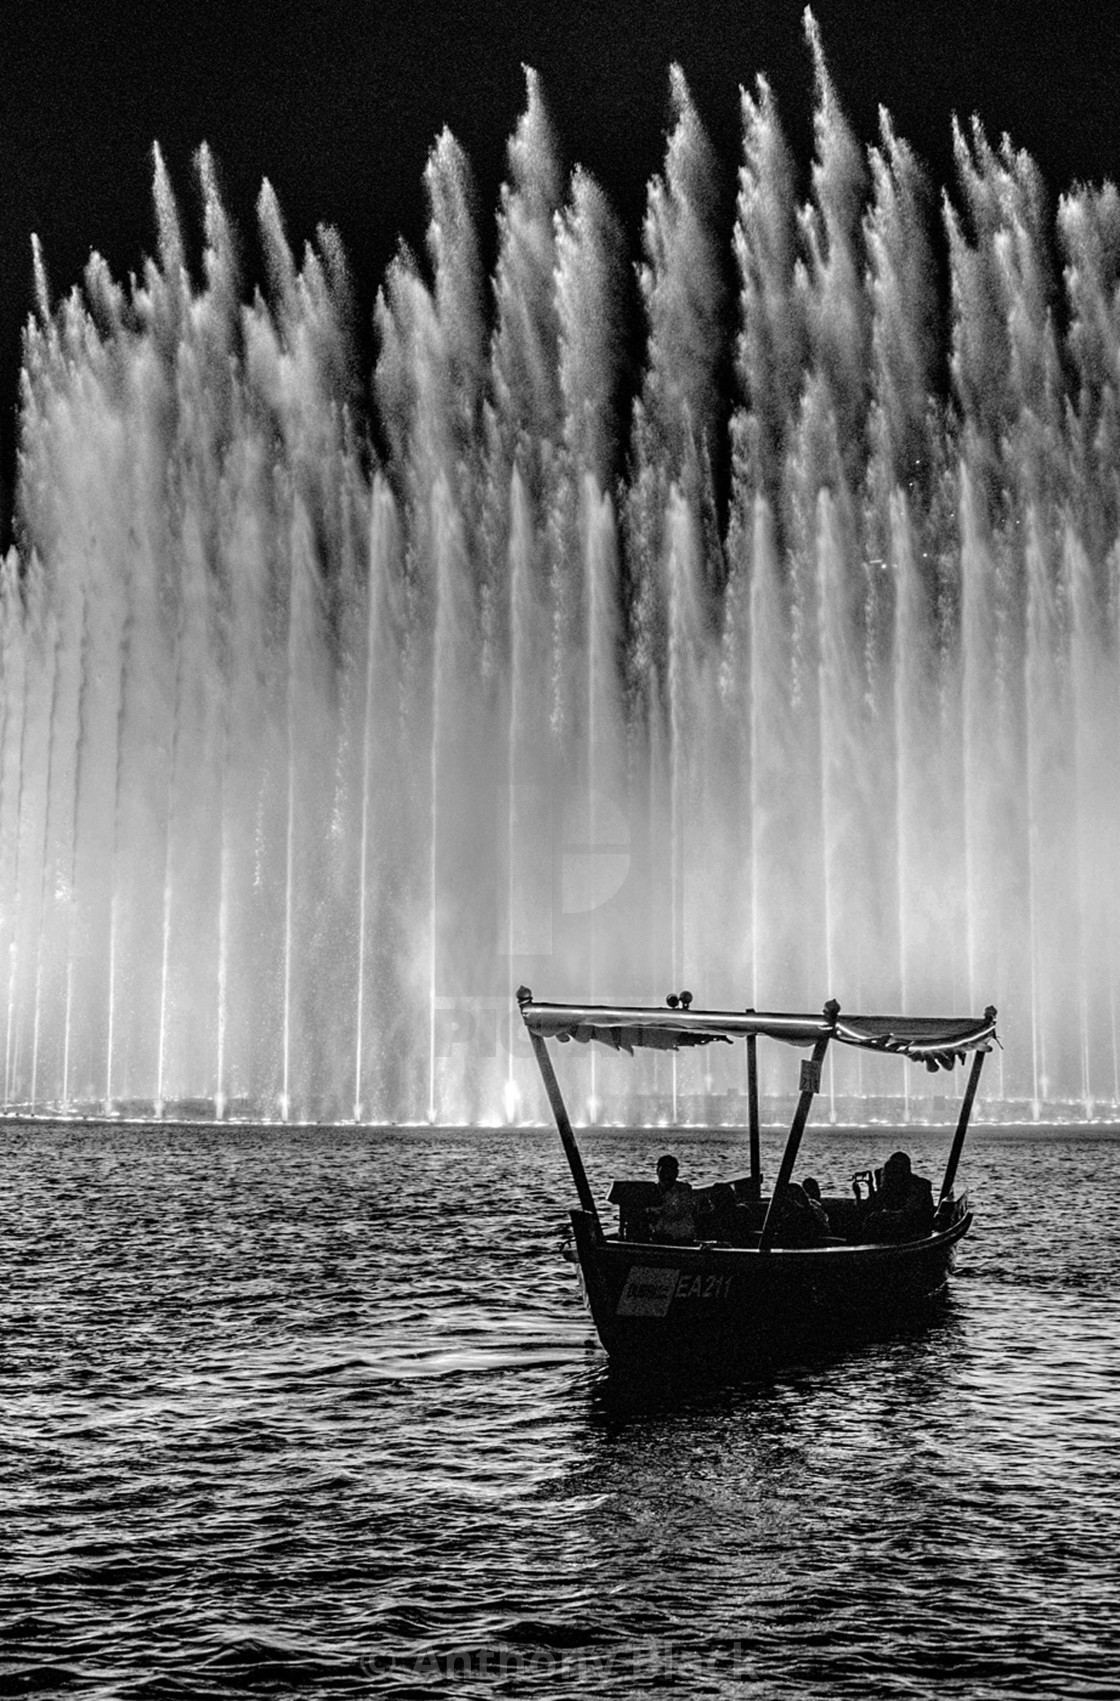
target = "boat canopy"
x: 937, y: 1041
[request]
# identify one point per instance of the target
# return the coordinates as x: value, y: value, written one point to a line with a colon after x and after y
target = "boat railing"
x: 729, y: 1214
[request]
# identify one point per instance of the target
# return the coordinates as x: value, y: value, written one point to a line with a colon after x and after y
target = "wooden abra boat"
x: 749, y: 1283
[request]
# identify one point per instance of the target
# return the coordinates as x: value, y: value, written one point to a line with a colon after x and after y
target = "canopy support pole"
x: 752, y: 1112
x: 810, y: 1086
x: 564, y: 1129
x: 962, y: 1125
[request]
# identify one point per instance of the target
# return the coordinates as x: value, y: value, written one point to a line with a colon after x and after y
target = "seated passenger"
x: 675, y: 1218
x: 813, y: 1188
x: 721, y: 1213
x: 803, y: 1220
x: 902, y: 1209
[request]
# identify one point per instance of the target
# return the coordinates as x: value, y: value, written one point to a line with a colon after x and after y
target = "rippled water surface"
x: 320, y: 1412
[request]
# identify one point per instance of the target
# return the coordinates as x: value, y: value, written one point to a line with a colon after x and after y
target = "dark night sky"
x: 338, y: 101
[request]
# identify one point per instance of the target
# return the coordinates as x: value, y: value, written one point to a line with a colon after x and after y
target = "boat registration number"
x: 703, y: 1287
x: 649, y: 1292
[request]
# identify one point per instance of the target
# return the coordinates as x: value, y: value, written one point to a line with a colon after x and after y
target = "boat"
x: 746, y: 1286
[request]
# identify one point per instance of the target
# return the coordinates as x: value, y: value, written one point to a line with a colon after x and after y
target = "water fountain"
x: 309, y: 754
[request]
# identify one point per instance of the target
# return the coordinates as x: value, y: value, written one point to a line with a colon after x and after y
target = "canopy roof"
x: 937, y: 1041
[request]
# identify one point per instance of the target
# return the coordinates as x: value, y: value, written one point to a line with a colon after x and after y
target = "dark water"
x: 321, y: 1414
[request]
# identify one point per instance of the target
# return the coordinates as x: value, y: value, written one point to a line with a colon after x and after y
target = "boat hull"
x: 647, y: 1299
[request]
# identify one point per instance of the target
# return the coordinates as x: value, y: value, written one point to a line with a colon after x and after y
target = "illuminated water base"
x: 309, y: 755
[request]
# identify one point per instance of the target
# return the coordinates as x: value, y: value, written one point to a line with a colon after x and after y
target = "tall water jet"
x: 330, y: 713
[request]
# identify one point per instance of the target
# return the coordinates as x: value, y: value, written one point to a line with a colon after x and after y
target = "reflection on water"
x: 323, y: 1413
